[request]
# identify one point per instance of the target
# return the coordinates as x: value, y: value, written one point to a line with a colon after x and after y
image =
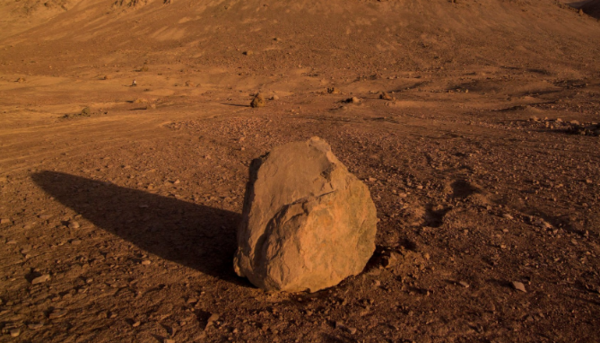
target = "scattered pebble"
x: 519, y: 286
x: 40, y: 279
x: 385, y: 96
x: 35, y: 326
x: 57, y: 314
x: 346, y: 328
x: 213, y: 318
x: 258, y: 101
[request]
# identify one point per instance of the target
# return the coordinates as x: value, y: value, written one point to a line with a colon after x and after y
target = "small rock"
x: 86, y: 112
x: 76, y: 242
x: 353, y: 100
x: 519, y: 286
x: 4, y: 221
x: 248, y: 53
x: 333, y: 90
x: 57, y: 313
x: 73, y: 225
x: 15, y: 332
x: 589, y: 181
x: 385, y: 96
x: 40, y: 279
x: 539, y: 222
x: 134, y: 83
x: 574, y: 122
x: 35, y: 326
x: 146, y: 262
x: 464, y: 284
x: 258, y: 101
x: 106, y: 77
x: 343, y: 327
x: 391, y: 260
x: 168, y: 340
x: 274, y: 98
x: 20, y: 80
x: 507, y: 216
x: 211, y: 320
x: 136, y: 324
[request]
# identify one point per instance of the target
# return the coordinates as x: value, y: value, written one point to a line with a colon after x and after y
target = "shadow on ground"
x: 196, y: 236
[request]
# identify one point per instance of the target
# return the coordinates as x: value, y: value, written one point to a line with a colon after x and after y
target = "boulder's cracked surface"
x: 307, y: 222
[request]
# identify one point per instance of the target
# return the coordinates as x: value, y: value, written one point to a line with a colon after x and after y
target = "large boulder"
x: 307, y: 222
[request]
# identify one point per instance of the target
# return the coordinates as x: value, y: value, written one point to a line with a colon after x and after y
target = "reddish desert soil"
x: 119, y: 203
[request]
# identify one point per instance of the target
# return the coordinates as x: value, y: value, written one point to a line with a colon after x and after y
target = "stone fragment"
x: 519, y: 286
x: 390, y: 261
x: 307, y: 223
x: 40, y: 279
x: 58, y: 313
x: 211, y: 320
x: 346, y: 328
x: 385, y: 96
x: 35, y: 326
x: 258, y: 101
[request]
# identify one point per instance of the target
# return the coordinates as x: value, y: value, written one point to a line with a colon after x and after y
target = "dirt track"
x: 131, y: 211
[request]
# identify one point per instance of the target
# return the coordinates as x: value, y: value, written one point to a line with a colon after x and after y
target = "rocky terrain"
x: 126, y: 135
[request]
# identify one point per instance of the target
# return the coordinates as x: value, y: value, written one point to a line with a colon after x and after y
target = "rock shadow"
x: 196, y: 236
x: 463, y: 189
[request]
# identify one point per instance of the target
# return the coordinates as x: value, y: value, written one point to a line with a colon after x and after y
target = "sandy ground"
x: 119, y: 203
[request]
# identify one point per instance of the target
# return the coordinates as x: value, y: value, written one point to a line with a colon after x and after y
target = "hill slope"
x: 360, y: 35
